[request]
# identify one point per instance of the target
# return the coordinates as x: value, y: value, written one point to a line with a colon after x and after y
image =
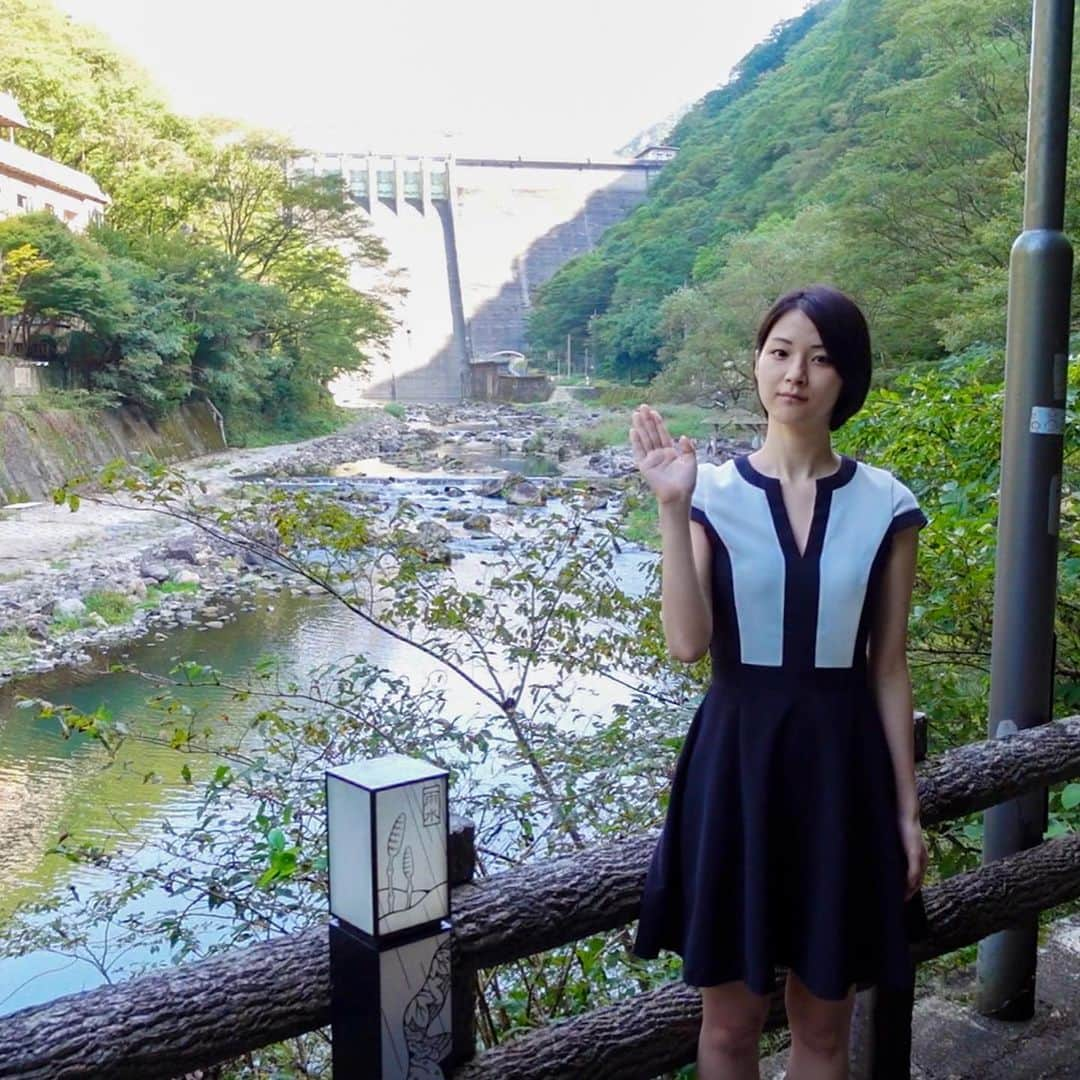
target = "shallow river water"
x: 49, y: 785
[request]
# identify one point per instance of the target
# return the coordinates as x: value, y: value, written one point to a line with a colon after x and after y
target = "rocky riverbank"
x: 75, y: 584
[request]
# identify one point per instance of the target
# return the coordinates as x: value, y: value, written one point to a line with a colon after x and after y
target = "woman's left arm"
x: 891, y: 684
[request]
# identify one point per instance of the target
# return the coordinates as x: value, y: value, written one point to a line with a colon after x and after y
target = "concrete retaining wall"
x: 42, y: 448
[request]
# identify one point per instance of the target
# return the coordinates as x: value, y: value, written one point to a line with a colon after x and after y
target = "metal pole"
x: 1021, y: 666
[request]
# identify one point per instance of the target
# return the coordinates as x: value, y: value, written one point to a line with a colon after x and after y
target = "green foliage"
x: 535, y: 771
x: 938, y: 427
x: 395, y: 409
x: 874, y: 144
x: 222, y: 272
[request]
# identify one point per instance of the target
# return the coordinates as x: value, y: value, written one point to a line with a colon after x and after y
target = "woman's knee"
x: 732, y: 1018
x: 821, y: 1025
x: 825, y: 1038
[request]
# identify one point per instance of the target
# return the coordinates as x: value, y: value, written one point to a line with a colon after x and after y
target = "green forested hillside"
x: 216, y: 272
x: 876, y: 144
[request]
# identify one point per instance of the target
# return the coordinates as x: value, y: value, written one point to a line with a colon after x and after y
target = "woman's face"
x: 796, y: 381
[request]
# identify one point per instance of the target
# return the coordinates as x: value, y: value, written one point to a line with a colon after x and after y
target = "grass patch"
x: 156, y: 593
x: 256, y: 430
x: 642, y: 524
x: 115, y: 608
x: 613, y: 429
x: 15, y: 644
x: 395, y: 409
x: 621, y: 396
x: 79, y: 401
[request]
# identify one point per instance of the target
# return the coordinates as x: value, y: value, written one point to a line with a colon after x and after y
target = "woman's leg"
x: 732, y: 1017
x: 820, y: 1031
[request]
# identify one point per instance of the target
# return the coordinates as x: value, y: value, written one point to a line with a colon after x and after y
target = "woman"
x: 792, y: 835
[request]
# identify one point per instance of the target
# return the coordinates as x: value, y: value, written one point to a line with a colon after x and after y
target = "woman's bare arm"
x: 670, y: 470
x: 891, y: 683
x: 685, y: 591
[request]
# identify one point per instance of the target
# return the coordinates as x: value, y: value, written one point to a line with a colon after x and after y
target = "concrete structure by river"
x: 470, y: 240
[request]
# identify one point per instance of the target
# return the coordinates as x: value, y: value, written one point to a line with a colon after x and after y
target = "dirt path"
x: 35, y: 536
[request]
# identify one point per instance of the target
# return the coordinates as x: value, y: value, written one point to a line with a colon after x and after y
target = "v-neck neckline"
x: 773, y: 488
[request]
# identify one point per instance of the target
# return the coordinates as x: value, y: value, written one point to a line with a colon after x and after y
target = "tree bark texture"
x: 650, y: 1033
x: 194, y: 1015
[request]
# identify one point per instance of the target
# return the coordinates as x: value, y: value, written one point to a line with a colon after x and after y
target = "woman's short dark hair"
x: 844, y: 334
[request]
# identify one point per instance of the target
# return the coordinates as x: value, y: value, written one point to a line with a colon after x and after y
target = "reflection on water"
x: 49, y: 785
x: 487, y: 460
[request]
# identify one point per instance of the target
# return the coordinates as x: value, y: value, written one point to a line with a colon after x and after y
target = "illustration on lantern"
x: 410, y: 892
x: 416, y: 1008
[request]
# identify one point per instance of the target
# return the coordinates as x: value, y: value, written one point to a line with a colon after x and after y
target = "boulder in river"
x: 154, y: 570
x: 183, y: 549
x: 186, y: 577
x: 69, y: 607
x: 478, y: 523
x: 526, y: 493
x: 456, y: 514
x: 430, y: 533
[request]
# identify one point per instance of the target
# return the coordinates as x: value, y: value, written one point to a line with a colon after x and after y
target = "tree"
x: 74, y: 290
x: 17, y: 265
x: 263, y: 213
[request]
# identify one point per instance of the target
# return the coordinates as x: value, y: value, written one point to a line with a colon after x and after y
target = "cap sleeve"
x: 905, y: 511
x: 700, y: 496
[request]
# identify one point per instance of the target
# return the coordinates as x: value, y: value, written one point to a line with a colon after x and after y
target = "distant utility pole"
x: 569, y: 370
x: 1032, y: 443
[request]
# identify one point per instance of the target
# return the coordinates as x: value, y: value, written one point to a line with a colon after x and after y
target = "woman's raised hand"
x: 668, y: 465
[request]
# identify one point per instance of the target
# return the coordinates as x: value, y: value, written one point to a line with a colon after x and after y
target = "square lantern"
x: 387, y: 821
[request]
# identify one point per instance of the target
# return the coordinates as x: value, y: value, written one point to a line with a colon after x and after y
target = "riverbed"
x: 50, y: 786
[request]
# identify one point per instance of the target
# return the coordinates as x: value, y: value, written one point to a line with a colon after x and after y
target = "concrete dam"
x: 470, y: 240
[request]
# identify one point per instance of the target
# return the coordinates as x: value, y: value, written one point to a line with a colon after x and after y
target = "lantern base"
x: 389, y: 1002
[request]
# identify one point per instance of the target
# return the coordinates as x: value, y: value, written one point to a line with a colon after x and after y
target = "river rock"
x: 492, y: 488
x: 69, y: 607
x: 453, y: 491
x: 478, y: 523
x: 526, y: 493
x: 186, y: 577
x: 154, y: 570
x: 96, y: 621
x: 456, y: 514
x: 430, y: 533
x: 182, y: 548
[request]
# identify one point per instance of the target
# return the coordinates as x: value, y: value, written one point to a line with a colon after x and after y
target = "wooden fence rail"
x: 195, y: 1015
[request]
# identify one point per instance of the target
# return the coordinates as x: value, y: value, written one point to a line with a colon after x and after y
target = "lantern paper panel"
x: 387, y: 821
x: 415, y: 985
x: 410, y: 855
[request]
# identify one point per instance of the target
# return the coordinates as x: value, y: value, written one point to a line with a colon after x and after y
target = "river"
x: 50, y: 786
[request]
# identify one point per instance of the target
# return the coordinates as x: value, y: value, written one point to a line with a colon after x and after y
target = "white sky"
x: 480, y: 77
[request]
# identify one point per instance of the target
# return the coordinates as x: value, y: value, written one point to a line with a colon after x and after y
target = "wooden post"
x: 881, y: 1023
x: 462, y: 865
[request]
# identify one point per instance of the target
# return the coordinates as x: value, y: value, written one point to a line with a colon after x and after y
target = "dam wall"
x: 470, y: 240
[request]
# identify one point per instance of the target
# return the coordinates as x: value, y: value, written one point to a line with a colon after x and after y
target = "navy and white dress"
x: 781, y: 843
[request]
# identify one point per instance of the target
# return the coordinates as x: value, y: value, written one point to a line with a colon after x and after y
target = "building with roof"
x: 30, y: 181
